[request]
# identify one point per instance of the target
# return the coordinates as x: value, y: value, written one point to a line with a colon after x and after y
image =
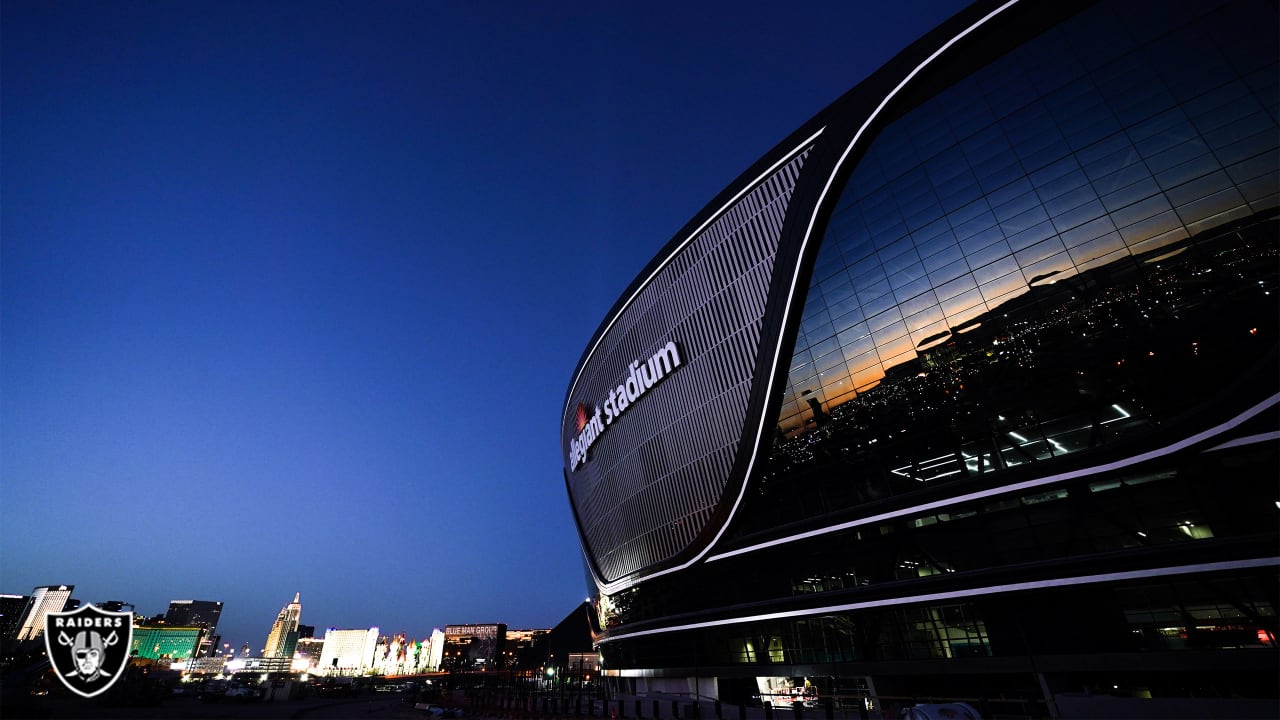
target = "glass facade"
x: 1025, y: 446
x: 1023, y: 267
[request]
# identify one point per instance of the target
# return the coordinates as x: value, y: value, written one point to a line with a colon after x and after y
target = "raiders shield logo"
x: 88, y: 647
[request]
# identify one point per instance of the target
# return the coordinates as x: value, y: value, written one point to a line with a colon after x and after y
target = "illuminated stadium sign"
x: 643, y: 375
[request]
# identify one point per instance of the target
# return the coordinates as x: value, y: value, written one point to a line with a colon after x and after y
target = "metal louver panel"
x: 653, y: 477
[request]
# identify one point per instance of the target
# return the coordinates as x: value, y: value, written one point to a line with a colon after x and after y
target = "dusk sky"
x: 291, y: 292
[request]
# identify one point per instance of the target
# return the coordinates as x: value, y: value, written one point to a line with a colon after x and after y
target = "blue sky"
x: 291, y: 293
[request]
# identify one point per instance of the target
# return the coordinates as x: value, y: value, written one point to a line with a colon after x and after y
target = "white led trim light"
x: 1017, y: 487
x: 958, y: 594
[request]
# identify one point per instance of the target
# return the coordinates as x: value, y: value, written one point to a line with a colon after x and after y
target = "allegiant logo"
x: 643, y: 376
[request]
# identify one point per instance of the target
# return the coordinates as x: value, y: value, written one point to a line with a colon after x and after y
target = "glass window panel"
x: 932, y: 330
x: 1200, y: 187
x: 864, y: 361
x: 1130, y: 194
x: 1039, y: 251
x: 1258, y: 166
x: 1158, y: 241
x: 1214, y: 206
x: 958, y: 304
x: 1028, y: 125
x: 1054, y: 171
x: 918, y: 303
x: 997, y: 173
x: 1025, y: 220
x: 1119, y: 160
x: 1246, y: 147
x: 1103, y: 260
x: 1264, y: 87
x: 1161, y: 124
x: 1087, y: 231
x: 1177, y: 155
x: 989, y: 254
x: 1031, y: 236
x: 867, y: 272
x: 924, y: 318
x: 944, y: 241
x: 799, y: 361
x: 879, y: 305
x: 1258, y: 190
x: 843, y: 309
x: 999, y: 268
x: 868, y: 378
x: 946, y: 291
x: 888, y: 334
x: 949, y: 272
x: 923, y: 216
x: 825, y: 347
x: 979, y: 226
x: 1092, y: 128
x: 1002, y: 286
x: 1150, y: 227
x: 1140, y: 210
x: 906, y: 276
x: 1009, y: 193
x: 973, y: 211
x: 944, y: 257
x: 1098, y: 247
x: 1079, y: 216
x: 912, y: 289
x: 836, y: 287
x: 1105, y: 148
x: 1214, y: 221
x: 897, y: 352
x: 1122, y: 178
x: 819, y: 331
x: 858, y: 348
x: 1066, y: 183
x: 872, y: 285
x: 1045, y: 155
x: 1222, y: 106
x: 1069, y: 200
x: 1014, y: 205
x: 877, y: 323
x: 959, y: 193
x: 830, y: 360
x: 1187, y: 171
x: 905, y: 260
x: 847, y: 320
x: 1258, y: 122
x: 1055, y: 268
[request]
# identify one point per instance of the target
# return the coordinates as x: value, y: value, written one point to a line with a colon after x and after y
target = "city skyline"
x: 262, y: 266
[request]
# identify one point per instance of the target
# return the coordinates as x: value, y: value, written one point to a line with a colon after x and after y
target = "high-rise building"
x: 348, y: 652
x: 968, y: 389
x: 43, y: 600
x: 166, y: 642
x: 11, y: 609
x: 194, y: 613
x: 284, y: 633
x: 197, y: 613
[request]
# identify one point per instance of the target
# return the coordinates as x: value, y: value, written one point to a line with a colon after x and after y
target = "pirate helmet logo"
x: 88, y: 647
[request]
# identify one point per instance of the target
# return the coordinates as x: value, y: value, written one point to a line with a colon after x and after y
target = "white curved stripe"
x: 787, y: 306
x: 959, y: 594
x: 1016, y: 487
